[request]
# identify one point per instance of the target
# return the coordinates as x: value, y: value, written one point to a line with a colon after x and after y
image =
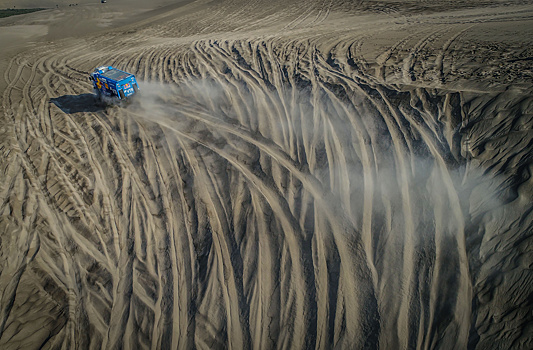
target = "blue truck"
x: 114, y: 83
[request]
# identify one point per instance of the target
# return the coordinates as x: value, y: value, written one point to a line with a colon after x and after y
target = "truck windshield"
x: 115, y: 74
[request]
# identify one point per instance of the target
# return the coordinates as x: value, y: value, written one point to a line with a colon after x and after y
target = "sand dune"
x: 293, y: 175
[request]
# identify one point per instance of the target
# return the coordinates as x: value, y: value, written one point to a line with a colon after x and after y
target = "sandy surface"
x: 294, y: 174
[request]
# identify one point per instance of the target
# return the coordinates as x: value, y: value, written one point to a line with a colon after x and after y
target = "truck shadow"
x: 78, y: 103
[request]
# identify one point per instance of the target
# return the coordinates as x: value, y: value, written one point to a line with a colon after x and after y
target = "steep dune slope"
x: 291, y: 176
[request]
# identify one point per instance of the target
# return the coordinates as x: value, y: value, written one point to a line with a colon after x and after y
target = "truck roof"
x: 116, y: 74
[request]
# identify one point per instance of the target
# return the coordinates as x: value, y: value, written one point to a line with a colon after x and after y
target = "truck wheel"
x: 121, y: 94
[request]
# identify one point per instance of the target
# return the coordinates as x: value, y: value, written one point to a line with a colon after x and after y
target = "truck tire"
x: 121, y: 94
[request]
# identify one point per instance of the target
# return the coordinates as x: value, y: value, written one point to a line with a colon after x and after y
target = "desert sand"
x: 294, y: 174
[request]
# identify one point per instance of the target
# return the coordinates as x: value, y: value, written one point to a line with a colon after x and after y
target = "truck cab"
x: 112, y: 82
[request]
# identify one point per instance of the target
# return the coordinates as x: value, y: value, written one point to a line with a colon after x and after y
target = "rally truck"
x: 114, y: 83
